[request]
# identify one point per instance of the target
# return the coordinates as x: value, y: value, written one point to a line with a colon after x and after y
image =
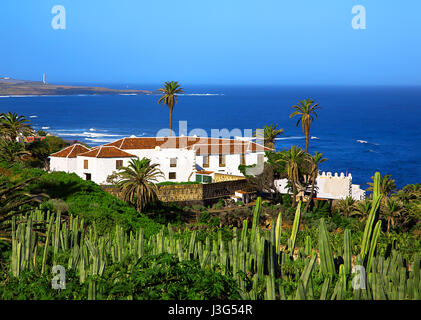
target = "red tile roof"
x: 201, y: 145
x: 107, y: 152
x: 71, y: 152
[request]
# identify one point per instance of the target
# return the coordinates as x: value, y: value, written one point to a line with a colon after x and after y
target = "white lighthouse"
x: 43, y: 79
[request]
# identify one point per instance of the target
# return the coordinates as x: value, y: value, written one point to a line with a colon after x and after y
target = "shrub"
x: 56, y: 205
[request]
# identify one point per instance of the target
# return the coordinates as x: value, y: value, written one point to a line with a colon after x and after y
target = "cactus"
x: 372, y: 217
x: 327, y: 263
x: 347, y: 251
x: 256, y: 218
x: 291, y: 244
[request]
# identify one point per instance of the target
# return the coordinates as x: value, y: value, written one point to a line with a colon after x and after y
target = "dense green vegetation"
x: 254, y: 264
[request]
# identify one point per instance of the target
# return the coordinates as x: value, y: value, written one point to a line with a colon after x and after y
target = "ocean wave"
x: 45, y: 128
x: 200, y: 94
x: 99, y: 140
x: 290, y: 138
x: 245, y: 138
x: 367, y: 142
x: 87, y: 134
x: 33, y: 116
x: 315, y: 138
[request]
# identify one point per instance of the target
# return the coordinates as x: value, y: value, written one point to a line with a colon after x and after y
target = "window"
x: 205, y: 161
x: 88, y: 175
x: 260, y: 158
x: 222, y: 160
x: 118, y: 164
x: 173, y: 162
x: 85, y: 164
x: 172, y: 175
x: 243, y: 159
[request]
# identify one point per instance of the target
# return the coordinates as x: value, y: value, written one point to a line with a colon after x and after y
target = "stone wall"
x: 223, y: 189
x: 193, y: 193
x: 183, y: 192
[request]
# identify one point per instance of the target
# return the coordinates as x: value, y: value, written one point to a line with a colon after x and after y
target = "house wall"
x: 99, y: 168
x: 232, y: 161
x: 334, y: 186
x: 62, y: 164
x: 185, y: 162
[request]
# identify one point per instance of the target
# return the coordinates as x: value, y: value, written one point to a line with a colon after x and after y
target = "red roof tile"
x: 201, y: 145
x: 107, y: 152
x: 71, y: 152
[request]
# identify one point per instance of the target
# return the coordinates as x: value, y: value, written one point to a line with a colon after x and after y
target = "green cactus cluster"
x: 262, y: 266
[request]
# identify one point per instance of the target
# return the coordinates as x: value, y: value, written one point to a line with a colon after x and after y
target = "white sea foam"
x: 33, y: 116
x: 290, y: 138
x: 368, y: 142
x: 200, y: 94
x: 315, y: 138
x: 87, y: 134
x: 100, y: 140
x: 45, y: 128
x: 92, y: 129
x: 245, y: 138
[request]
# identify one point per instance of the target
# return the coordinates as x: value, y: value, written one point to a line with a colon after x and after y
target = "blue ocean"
x: 359, y: 129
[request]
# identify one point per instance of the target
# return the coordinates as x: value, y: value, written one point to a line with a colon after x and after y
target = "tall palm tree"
x: 314, y: 162
x: 137, y: 182
x: 269, y: 135
x: 292, y: 160
x: 306, y: 110
x: 387, y: 185
x: 169, y: 96
x: 14, y: 126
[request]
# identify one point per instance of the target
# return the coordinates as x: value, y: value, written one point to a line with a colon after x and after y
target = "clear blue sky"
x: 294, y: 42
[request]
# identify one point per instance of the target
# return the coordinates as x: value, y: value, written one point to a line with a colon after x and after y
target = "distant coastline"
x: 14, y: 87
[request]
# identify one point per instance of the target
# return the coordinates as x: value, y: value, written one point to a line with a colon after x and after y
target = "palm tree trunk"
x: 170, y: 122
x: 307, y: 138
x: 294, y: 195
x: 312, y: 193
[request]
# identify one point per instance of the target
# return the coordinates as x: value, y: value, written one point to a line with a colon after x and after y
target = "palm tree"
x: 346, y: 206
x: 12, y: 152
x: 136, y: 182
x: 362, y: 209
x: 13, y: 197
x: 169, y: 96
x: 292, y: 160
x: 269, y: 135
x: 387, y: 185
x: 391, y: 210
x: 14, y: 126
x: 314, y: 162
x: 306, y: 109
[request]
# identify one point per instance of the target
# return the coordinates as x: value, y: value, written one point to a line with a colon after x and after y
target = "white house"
x: 179, y: 158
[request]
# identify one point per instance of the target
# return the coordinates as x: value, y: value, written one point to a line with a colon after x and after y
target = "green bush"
x: 152, y: 278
